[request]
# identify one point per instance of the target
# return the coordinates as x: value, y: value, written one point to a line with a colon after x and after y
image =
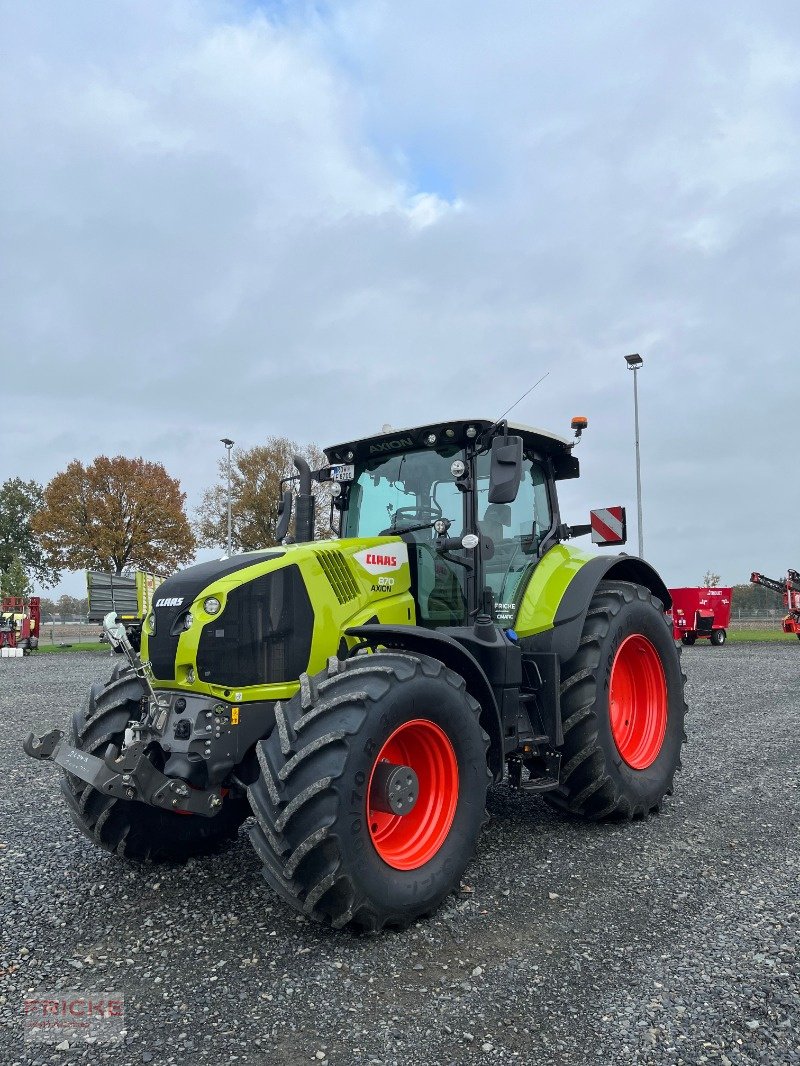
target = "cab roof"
x: 453, y: 432
x: 414, y: 436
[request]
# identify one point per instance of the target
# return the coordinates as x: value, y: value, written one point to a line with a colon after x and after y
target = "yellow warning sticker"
x: 234, y: 715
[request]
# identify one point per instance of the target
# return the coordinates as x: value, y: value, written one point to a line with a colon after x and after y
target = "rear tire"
x: 688, y: 639
x: 718, y: 637
x: 626, y: 652
x: 324, y: 851
x: 128, y: 828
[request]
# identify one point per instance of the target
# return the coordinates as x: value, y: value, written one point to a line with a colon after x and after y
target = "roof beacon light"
x: 579, y: 424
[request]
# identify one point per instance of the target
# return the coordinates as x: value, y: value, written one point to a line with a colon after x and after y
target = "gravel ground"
x: 670, y: 941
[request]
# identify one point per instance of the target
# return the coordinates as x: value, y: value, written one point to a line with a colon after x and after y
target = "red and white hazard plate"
x: 609, y: 525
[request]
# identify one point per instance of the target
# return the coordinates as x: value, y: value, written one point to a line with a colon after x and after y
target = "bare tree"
x: 256, y: 476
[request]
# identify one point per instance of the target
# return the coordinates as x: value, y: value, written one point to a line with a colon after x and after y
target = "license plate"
x: 343, y: 473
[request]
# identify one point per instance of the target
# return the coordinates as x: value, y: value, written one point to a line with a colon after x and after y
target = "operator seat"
x: 495, y: 526
x: 496, y: 518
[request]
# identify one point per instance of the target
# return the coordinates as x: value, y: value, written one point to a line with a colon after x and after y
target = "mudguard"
x: 555, y: 601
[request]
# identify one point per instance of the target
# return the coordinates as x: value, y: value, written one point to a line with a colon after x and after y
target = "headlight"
x: 150, y: 623
x: 187, y: 622
x: 211, y: 605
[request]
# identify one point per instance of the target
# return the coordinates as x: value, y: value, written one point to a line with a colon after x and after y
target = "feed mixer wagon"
x: 701, y: 614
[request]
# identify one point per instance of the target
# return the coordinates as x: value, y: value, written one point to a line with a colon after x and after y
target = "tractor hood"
x: 247, y: 624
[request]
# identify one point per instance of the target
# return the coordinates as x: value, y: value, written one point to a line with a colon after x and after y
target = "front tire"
x: 622, y: 707
x: 128, y: 828
x: 327, y: 850
x: 688, y: 639
x: 718, y: 637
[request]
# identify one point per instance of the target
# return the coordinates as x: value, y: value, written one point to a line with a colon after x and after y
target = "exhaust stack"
x: 304, y: 522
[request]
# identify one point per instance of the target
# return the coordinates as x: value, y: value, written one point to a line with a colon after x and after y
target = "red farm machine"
x: 703, y: 613
x: 20, y: 621
x: 789, y: 589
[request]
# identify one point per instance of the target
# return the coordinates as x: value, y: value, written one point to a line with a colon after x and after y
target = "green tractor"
x: 356, y: 697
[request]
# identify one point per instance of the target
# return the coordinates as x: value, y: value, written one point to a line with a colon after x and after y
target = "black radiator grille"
x: 338, y: 574
x: 184, y: 587
x: 263, y: 636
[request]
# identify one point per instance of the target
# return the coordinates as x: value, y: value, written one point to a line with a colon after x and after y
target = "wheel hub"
x: 394, y: 789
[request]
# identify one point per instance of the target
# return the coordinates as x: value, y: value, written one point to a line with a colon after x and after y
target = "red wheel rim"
x: 638, y: 702
x: 408, y: 841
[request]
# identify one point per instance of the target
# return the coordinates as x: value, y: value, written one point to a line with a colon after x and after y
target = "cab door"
x: 511, y: 534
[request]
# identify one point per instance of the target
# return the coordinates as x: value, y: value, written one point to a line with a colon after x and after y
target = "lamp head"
x: 634, y: 361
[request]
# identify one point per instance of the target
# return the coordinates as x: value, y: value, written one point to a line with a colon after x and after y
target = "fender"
x: 456, y: 657
x: 565, y: 634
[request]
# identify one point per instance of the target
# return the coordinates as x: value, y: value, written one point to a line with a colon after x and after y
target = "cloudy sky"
x: 241, y: 218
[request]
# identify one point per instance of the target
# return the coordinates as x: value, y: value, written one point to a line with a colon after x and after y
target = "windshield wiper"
x: 406, y: 529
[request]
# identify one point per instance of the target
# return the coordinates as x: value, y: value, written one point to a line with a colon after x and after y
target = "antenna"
x: 522, y: 397
x: 487, y: 433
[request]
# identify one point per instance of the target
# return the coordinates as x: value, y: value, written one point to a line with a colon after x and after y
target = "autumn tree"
x: 752, y: 598
x: 113, y: 515
x: 14, y: 580
x: 710, y: 579
x: 19, y: 501
x: 256, y: 475
x: 48, y: 607
x: 72, y: 605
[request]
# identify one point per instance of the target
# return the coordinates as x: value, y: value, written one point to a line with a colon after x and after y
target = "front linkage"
x: 128, y: 774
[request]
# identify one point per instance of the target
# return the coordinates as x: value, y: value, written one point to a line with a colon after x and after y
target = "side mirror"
x: 505, y: 471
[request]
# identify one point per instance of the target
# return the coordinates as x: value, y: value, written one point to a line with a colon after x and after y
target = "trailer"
x: 789, y: 588
x: 20, y: 623
x: 701, y: 613
x: 129, y: 596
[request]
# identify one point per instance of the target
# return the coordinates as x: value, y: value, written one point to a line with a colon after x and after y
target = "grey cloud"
x: 210, y: 228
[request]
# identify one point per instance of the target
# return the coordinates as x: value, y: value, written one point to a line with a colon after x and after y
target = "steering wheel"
x: 416, y: 514
x: 421, y: 518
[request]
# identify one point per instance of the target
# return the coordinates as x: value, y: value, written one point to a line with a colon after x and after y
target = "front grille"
x: 263, y: 636
x: 338, y: 574
x: 185, y: 586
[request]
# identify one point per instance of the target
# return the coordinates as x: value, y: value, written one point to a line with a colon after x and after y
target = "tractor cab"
x: 474, y: 501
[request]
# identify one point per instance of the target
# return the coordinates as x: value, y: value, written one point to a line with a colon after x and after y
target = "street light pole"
x: 228, y: 445
x: 635, y: 363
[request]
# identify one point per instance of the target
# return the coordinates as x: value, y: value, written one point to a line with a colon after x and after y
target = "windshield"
x: 391, y: 494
